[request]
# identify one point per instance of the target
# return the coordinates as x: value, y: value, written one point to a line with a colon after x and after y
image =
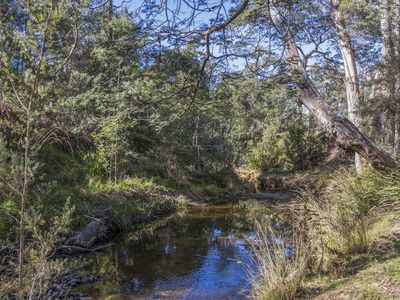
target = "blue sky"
x: 201, y: 19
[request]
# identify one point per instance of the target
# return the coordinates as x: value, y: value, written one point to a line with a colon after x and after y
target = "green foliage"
x: 268, y: 154
x: 131, y: 183
x: 304, y: 146
x: 9, y: 183
x: 294, y: 145
x: 155, y: 122
x: 38, y: 269
x: 222, y: 178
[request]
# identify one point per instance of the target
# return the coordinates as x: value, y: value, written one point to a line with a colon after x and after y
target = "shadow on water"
x: 200, y: 254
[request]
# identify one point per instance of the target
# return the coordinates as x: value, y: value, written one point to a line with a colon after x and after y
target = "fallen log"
x: 99, y: 229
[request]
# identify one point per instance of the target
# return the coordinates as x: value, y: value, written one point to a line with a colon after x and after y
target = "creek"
x: 201, y: 253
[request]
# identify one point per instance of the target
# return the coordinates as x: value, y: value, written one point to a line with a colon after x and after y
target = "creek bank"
x: 101, y: 228
x: 135, y: 201
x: 116, y: 211
x: 372, y: 276
x: 288, y: 181
x: 371, y: 271
x: 273, y: 196
x: 221, y: 235
x: 64, y: 286
x: 103, y: 225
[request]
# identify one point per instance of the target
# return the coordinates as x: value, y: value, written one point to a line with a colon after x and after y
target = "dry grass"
x: 342, y: 225
x: 344, y: 217
x: 281, y: 260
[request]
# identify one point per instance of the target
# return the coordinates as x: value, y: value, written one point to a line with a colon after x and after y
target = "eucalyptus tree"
x: 389, y: 11
x: 274, y: 20
x: 346, y: 133
x: 337, y: 12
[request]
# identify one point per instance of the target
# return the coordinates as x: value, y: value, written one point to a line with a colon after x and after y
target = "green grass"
x: 382, y: 224
x: 380, y: 280
x: 367, y: 278
x: 128, y: 184
x: 279, y: 275
x: 344, y: 216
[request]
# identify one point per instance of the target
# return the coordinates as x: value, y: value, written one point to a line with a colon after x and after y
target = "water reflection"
x: 201, y: 255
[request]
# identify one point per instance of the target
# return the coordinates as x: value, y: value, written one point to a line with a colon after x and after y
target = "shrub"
x: 268, y: 153
x: 304, y: 145
x: 297, y: 146
x: 39, y: 266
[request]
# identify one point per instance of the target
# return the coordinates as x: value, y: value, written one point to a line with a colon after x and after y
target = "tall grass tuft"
x: 344, y: 215
x: 281, y: 260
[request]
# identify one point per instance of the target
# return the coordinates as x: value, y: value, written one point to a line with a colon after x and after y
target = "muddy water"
x: 199, y: 254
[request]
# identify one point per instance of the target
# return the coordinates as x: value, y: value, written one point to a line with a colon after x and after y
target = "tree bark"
x: 396, y: 72
x: 386, y: 24
x: 389, y: 75
x: 347, y: 135
x: 351, y: 73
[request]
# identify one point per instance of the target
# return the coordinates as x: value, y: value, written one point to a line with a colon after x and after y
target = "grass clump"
x: 347, y: 223
x: 281, y: 260
x: 344, y: 217
x: 337, y: 253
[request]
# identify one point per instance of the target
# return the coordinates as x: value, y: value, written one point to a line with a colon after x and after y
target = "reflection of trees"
x: 182, y: 246
x: 175, y: 249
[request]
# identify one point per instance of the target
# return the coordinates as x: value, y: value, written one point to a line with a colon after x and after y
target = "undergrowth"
x: 342, y: 224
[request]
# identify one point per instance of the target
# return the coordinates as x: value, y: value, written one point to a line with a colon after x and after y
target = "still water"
x: 199, y: 254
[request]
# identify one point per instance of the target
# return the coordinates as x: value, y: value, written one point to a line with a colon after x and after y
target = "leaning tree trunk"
x: 350, y: 68
x: 345, y: 132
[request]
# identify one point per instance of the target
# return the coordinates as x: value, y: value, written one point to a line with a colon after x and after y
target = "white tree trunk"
x: 350, y: 68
